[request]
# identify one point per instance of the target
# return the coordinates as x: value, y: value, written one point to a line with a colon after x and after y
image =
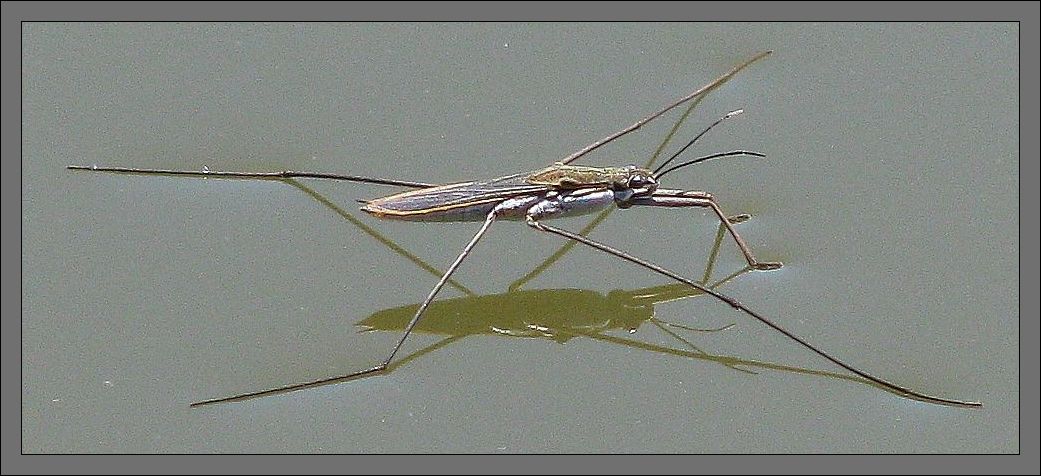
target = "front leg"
x: 680, y: 198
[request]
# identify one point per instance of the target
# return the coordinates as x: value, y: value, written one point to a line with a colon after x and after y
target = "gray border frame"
x: 13, y: 13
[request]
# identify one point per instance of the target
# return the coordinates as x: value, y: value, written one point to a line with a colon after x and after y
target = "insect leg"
x: 892, y: 387
x: 285, y: 174
x: 678, y: 198
x: 704, y: 89
x: 382, y: 367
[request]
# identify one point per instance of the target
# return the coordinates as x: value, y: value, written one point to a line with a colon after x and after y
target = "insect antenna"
x: 658, y: 176
x: 695, y: 139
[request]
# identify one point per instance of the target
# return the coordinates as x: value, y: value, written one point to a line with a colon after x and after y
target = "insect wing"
x: 454, y: 196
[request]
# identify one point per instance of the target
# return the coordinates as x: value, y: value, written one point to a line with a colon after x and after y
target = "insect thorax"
x: 573, y: 176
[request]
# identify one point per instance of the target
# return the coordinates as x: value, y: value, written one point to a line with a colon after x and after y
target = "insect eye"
x: 638, y: 181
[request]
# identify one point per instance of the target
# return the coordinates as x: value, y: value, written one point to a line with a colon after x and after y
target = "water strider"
x: 564, y: 314
x: 558, y: 190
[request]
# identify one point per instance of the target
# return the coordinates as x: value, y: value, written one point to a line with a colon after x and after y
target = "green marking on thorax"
x: 576, y: 176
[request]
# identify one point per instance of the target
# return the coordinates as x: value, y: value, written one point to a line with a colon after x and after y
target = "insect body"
x: 556, y: 191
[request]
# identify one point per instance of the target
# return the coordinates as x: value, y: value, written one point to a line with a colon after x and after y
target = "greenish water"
x: 889, y: 192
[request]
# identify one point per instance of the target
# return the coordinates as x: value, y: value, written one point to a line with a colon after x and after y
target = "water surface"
x: 889, y: 192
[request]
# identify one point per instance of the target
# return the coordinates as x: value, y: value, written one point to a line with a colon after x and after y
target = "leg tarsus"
x: 767, y: 265
x: 739, y: 218
x: 369, y: 372
x: 752, y: 261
